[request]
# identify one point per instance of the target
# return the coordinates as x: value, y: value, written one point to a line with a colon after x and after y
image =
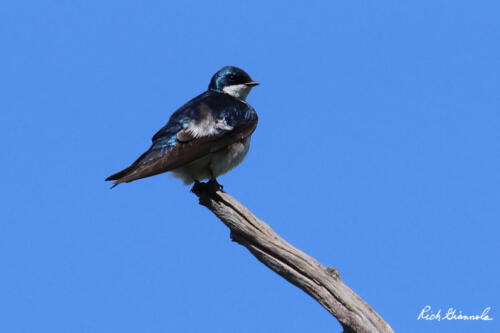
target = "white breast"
x: 215, y: 164
x: 230, y: 157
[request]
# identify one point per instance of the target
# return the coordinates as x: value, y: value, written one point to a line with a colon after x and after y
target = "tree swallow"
x: 205, y: 138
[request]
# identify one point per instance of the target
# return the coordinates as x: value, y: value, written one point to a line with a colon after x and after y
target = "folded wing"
x: 176, y: 147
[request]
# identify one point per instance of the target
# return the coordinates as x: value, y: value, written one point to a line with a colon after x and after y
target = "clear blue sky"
x: 377, y: 152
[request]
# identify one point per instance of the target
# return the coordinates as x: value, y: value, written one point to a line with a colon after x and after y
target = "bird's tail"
x: 120, y: 174
x: 117, y: 176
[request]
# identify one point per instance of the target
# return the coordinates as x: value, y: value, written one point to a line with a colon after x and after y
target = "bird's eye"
x: 231, y: 76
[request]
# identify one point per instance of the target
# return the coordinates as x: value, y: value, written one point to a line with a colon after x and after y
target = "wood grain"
x: 322, y: 283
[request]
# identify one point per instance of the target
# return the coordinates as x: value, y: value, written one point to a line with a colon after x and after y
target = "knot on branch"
x: 333, y: 272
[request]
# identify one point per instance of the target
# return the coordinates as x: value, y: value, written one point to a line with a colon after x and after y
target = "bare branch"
x: 323, y: 284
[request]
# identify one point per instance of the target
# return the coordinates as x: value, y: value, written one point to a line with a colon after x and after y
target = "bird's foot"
x: 212, y: 186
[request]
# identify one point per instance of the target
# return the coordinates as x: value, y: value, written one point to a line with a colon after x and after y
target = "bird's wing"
x: 189, y: 136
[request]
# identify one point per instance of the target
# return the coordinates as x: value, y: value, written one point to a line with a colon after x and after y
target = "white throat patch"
x: 239, y: 91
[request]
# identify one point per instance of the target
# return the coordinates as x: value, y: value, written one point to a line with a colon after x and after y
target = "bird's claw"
x: 215, y: 186
x: 212, y: 186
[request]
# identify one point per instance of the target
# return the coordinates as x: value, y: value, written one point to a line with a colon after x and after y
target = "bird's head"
x: 232, y: 81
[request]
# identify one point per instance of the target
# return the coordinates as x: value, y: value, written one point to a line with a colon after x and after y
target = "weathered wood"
x: 321, y: 283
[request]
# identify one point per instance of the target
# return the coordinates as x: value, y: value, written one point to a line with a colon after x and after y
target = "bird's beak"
x: 252, y: 84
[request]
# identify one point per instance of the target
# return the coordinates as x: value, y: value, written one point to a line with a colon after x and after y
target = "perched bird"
x: 205, y: 138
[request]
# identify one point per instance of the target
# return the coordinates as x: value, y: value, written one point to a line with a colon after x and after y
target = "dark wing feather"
x: 127, y: 170
x: 154, y: 162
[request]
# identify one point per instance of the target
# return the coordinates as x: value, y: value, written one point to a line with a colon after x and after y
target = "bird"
x: 205, y: 138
